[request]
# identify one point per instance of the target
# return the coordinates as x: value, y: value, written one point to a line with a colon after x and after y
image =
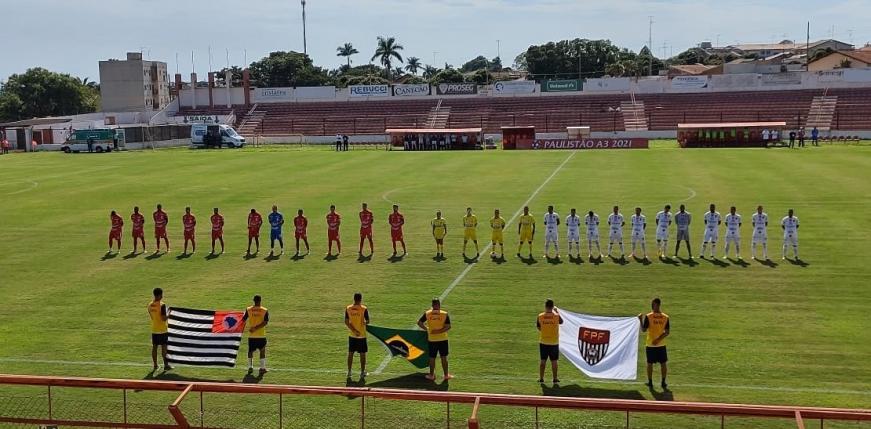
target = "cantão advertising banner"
x: 408, y: 90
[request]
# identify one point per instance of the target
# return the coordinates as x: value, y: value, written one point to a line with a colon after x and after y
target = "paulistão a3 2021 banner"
x: 590, y: 144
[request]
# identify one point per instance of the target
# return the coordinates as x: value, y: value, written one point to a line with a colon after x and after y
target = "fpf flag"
x: 204, y: 337
x: 408, y: 343
x: 600, y: 346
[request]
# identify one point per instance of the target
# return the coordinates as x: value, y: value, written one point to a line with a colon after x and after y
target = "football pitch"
x: 745, y: 332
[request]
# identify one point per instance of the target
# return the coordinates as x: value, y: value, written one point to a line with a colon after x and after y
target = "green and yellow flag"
x: 411, y: 344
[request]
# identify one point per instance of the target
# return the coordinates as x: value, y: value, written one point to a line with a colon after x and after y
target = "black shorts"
x: 159, y: 339
x: 546, y: 351
x: 256, y: 344
x: 657, y: 355
x: 357, y: 345
x: 438, y: 348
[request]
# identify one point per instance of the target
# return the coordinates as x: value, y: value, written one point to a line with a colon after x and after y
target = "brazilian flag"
x: 411, y: 344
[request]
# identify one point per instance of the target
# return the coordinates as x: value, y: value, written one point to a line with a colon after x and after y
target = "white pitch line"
x: 33, y: 185
x: 469, y: 266
x: 692, y: 195
x: 506, y: 378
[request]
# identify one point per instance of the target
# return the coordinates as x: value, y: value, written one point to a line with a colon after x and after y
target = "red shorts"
x: 217, y: 234
x: 396, y: 234
x: 189, y: 235
x: 366, y: 232
x: 253, y: 232
x: 333, y: 234
x: 138, y: 233
x: 300, y: 235
x: 115, y: 234
x: 160, y: 232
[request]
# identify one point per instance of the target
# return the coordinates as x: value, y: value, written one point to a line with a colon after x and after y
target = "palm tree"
x: 346, y: 51
x: 413, y: 65
x: 429, y: 71
x: 387, y: 50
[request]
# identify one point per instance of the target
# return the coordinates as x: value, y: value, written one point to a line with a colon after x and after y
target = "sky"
x: 73, y: 36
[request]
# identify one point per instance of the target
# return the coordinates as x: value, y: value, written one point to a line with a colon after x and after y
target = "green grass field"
x: 780, y: 334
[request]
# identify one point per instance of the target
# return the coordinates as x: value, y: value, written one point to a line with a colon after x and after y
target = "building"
x: 764, y: 50
x: 842, y: 59
x: 134, y: 84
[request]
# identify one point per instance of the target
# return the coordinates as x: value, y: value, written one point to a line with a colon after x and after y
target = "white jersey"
x: 573, y: 223
x: 551, y: 220
x: 638, y: 223
x: 712, y: 220
x: 733, y: 224
x: 760, y: 224
x: 615, y: 221
x: 663, y: 220
x: 790, y: 226
x: 592, y: 222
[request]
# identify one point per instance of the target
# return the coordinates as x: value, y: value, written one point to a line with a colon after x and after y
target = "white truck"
x: 215, y: 135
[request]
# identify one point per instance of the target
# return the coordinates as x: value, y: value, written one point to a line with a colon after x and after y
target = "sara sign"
x: 608, y: 84
x: 408, y: 90
x: 369, y: 90
x: 567, y: 85
x: 584, y: 144
x: 689, y: 82
x: 456, y: 89
x: 789, y: 78
x: 514, y: 87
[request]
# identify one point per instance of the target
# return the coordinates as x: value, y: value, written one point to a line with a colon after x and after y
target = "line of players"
x: 525, y: 229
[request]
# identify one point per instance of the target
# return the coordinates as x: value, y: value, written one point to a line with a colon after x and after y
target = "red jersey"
x: 189, y: 221
x: 217, y: 222
x: 117, y: 222
x: 138, y: 221
x: 254, y: 221
x: 301, y: 223
x: 160, y: 219
x: 396, y: 221
x: 366, y: 219
x: 333, y: 221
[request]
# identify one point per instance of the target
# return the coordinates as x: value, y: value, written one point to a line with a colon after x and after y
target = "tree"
x: 450, y: 75
x: 387, y: 49
x: 347, y: 50
x: 481, y: 77
x: 569, y: 58
x: 478, y: 63
x: 366, y: 74
x: 39, y: 92
x: 845, y: 63
x: 496, y: 64
x: 397, y: 72
x: 412, y: 65
x: 235, y: 76
x: 429, y: 71
x: 287, y: 69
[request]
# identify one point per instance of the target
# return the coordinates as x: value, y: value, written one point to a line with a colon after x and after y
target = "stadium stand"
x: 843, y: 109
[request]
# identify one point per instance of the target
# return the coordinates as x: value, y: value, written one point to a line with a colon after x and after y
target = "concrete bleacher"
x: 602, y: 113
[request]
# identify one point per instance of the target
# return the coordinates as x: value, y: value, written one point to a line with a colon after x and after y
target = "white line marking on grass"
x: 469, y: 266
x: 385, y: 196
x: 692, y: 195
x: 33, y: 186
x: 505, y: 378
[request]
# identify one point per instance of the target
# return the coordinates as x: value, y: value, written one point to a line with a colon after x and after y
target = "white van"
x: 207, y: 135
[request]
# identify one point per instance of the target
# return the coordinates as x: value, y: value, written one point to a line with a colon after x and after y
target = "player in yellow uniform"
x: 526, y: 230
x: 470, y: 231
x: 497, y: 224
x: 356, y: 319
x: 257, y: 318
x: 547, y: 324
x: 657, y: 326
x: 439, y: 231
x: 436, y: 323
x: 159, y: 327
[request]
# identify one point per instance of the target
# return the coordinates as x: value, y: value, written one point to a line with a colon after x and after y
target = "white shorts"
x: 790, y: 239
x: 760, y: 236
x: 551, y: 235
x: 574, y: 236
x: 616, y: 235
x: 733, y: 238
x: 661, y: 234
x: 637, y: 236
x: 711, y: 235
x: 592, y: 235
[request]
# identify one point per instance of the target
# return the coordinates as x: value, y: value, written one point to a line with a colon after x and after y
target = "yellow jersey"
x: 435, y: 320
x: 358, y: 317
x: 497, y: 223
x: 439, y: 227
x: 156, y: 311
x: 526, y: 222
x: 254, y: 316
x: 656, y: 324
x: 548, y: 328
x: 470, y: 221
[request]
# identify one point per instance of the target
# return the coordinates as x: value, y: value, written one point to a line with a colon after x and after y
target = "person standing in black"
x: 801, y: 137
x: 90, y: 144
x: 791, y: 139
x: 338, y: 142
x: 345, y: 143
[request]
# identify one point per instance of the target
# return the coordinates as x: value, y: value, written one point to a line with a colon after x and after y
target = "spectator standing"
x: 338, y: 142
x: 765, y: 137
x: 791, y: 139
x: 5, y: 144
x: 815, y: 136
x: 345, y: 141
x: 801, y: 137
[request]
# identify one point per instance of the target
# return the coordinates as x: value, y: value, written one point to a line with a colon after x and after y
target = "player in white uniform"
x: 790, y: 233
x: 616, y: 222
x: 733, y: 232
x: 551, y: 232
x: 760, y: 232
x: 663, y: 221
x: 639, y: 224
x: 712, y: 231
x: 573, y: 225
x: 592, y: 222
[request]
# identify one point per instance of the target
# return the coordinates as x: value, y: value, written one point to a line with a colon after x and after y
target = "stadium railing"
x: 477, y: 401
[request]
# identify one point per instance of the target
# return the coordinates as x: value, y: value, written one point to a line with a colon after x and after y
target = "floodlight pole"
x: 304, y: 47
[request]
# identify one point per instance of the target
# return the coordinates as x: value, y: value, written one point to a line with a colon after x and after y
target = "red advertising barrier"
x: 588, y: 144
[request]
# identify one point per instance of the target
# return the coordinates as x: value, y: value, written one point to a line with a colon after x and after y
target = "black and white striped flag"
x: 204, y: 337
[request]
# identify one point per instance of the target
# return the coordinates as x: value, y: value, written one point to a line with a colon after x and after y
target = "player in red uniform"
x: 160, y: 222
x: 334, y: 221
x: 138, y: 230
x: 190, y: 227
x: 366, y: 219
x: 300, y: 226
x: 396, y: 221
x: 254, y: 222
x: 217, y: 230
x: 115, y: 232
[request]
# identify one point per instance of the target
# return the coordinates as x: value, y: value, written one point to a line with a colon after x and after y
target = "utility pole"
x: 304, y: 44
x: 650, y: 45
x: 499, y: 49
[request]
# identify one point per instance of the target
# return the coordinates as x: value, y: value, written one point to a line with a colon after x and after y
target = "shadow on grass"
x: 643, y: 261
x: 553, y: 261
x: 395, y: 258
x: 529, y: 261
x: 253, y: 377
x: 364, y: 258
x: 171, y: 376
x: 798, y: 262
x: 108, y: 256
x: 131, y: 255
x: 619, y: 261
x: 500, y: 260
x: 577, y: 260
x: 211, y: 256
x: 298, y: 257
x: 739, y: 262
x: 439, y: 258
x: 153, y: 256
x: 768, y: 263
x: 577, y: 391
x: 718, y: 262
x: 469, y: 260
x: 688, y: 262
x: 331, y: 257
x: 271, y: 257
x: 183, y: 256
x: 664, y: 395
x: 669, y: 261
x: 250, y: 256
x: 412, y: 381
